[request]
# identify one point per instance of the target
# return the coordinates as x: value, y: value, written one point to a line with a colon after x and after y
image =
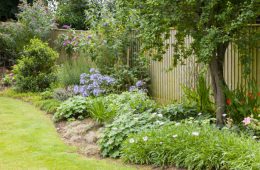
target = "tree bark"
x: 218, y: 82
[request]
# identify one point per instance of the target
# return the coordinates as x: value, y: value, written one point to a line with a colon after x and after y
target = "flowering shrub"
x: 243, y: 104
x: 94, y: 84
x: 37, y: 18
x: 73, y: 41
x: 192, y: 146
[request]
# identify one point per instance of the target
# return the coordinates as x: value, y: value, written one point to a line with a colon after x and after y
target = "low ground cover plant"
x: 125, y: 124
x: 71, y: 109
x: 192, y: 146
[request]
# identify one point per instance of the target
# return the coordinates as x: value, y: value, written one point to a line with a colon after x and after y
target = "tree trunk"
x: 218, y: 82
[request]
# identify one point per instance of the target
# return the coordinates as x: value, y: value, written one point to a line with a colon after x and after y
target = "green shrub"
x: 12, y: 39
x: 123, y: 125
x: 127, y: 76
x: 192, y: 146
x: 73, y: 108
x: 34, y: 71
x: 71, y: 12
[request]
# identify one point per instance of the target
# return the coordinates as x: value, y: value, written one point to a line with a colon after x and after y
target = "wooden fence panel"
x: 166, y: 86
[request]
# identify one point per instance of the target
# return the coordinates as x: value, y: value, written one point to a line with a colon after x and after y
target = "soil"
x: 82, y: 134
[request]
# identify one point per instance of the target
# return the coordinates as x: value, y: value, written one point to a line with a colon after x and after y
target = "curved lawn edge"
x: 28, y: 140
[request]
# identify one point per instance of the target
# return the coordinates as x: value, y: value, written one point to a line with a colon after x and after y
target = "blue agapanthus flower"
x: 93, y: 84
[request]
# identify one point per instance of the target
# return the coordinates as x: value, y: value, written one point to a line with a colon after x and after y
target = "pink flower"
x: 246, y: 120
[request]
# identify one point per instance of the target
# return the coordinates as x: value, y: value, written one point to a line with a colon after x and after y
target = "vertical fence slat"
x: 168, y: 84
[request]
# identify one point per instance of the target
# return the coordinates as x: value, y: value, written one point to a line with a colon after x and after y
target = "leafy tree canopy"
x: 212, y: 24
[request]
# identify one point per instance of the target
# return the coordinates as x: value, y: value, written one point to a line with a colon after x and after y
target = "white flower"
x: 254, y: 137
x: 161, y: 143
x: 177, y: 124
x: 174, y: 136
x: 131, y: 140
x: 224, y: 115
x: 145, y: 138
x: 159, y: 122
x: 199, y: 113
x: 160, y: 115
x: 195, y: 133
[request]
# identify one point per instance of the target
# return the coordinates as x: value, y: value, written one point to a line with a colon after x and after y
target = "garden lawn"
x: 28, y: 140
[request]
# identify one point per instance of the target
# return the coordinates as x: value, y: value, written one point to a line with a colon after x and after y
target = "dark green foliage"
x: 8, y: 9
x: 72, y: 12
x: 192, y: 146
x: 34, y: 71
x: 12, y: 39
x: 127, y: 76
x: 211, y: 24
x: 176, y: 112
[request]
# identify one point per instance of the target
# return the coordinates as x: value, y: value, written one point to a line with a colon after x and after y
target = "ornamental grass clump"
x: 192, y: 146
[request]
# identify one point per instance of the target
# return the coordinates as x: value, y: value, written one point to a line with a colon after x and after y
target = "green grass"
x: 28, y: 140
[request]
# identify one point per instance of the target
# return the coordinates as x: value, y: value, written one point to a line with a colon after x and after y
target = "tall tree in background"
x: 212, y: 24
x: 9, y: 9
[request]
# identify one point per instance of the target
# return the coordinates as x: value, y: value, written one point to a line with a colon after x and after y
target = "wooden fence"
x: 166, y: 86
